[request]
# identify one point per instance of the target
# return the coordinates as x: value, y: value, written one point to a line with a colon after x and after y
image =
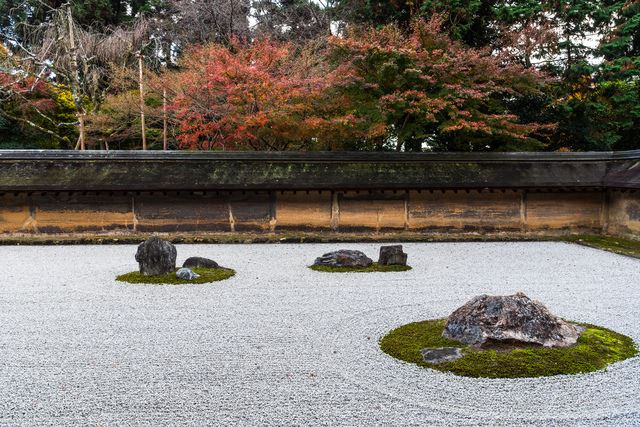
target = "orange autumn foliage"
x: 261, y: 96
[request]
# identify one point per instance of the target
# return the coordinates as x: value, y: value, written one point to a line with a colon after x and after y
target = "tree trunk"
x: 164, y: 119
x: 144, y: 131
x: 75, y: 82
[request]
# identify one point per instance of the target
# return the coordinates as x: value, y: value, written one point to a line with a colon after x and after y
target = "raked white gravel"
x: 279, y: 344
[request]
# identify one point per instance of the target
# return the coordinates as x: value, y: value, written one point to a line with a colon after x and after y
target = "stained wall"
x: 516, y: 212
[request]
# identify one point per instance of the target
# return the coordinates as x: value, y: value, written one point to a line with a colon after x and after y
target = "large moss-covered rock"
x: 509, y: 319
x: 156, y: 256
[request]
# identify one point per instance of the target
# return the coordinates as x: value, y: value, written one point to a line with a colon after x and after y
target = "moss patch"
x: 207, y: 275
x: 609, y: 243
x: 88, y: 238
x: 596, y: 348
x: 372, y: 268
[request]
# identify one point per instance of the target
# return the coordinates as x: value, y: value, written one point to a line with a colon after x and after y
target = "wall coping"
x: 70, y: 170
x: 328, y: 156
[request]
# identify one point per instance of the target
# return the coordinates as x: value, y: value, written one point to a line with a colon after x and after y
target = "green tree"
x: 599, y: 108
x: 471, y: 21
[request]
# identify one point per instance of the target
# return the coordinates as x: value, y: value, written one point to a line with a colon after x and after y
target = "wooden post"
x: 81, y: 122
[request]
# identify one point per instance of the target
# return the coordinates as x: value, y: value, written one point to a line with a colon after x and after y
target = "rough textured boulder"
x: 392, y: 255
x: 186, y: 274
x: 344, y: 258
x: 512, y: 319
x: 199, y: 262
x: 441, y: 355
x: 156, y: 256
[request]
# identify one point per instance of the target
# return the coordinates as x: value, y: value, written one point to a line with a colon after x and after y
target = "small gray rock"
x: 392, y: 255
x: 440, y: 355
x: 156, y: 256
x: 199, y: 262
x: 344, y: 258
x: 186, y: 274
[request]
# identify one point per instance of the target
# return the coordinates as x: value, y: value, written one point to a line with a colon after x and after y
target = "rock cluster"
x: 509, y: 319
x: 392, y: 255
x: 344, y: 258
x: 156, y: 256
x: 349, y: 258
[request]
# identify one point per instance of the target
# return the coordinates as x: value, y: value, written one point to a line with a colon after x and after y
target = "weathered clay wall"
x: 510, y: 194
x: 456, y: 211
x: 623, y: 214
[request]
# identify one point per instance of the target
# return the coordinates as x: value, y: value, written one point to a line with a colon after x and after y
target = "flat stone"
x: 344, y: 258
x: 392, y: 255
x: 156, y: 256
x: 186, y: 274
x: 200, y: 262
x: 508, y: 319
x: 440, y: 355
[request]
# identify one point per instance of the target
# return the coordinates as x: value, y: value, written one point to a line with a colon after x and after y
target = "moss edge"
x: 618, y: 245
x: 207, y: 275
x: 375, y: 267
x: 596, y: 348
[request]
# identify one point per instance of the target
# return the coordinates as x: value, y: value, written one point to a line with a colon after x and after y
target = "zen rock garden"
x: 493, y: 336
x: 391, y: 258
x: 451, y: 342
x: 157, y: 265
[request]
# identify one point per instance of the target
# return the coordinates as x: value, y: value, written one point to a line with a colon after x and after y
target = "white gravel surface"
x: 279, y: 344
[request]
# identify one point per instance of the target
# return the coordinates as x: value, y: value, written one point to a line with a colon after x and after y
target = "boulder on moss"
x: 200, y: 262
x: 513, y: 319
x: 156, y: 256
x: 344, y: 258
x: 392, y: 255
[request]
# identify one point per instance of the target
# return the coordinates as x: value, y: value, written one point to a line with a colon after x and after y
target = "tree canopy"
x: 462, y: 75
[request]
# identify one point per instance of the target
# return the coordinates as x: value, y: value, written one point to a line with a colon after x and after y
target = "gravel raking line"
x: 279, y: 344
